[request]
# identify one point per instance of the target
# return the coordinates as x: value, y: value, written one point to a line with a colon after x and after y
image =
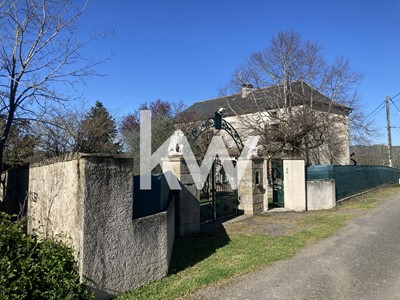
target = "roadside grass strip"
x: 214, y: 257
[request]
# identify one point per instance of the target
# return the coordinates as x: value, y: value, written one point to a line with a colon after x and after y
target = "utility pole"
x: 389, y: 131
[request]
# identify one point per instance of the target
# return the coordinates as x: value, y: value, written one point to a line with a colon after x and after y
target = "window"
x: 257, y: 177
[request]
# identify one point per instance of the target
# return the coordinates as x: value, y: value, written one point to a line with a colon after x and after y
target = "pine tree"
x: 98, y: 132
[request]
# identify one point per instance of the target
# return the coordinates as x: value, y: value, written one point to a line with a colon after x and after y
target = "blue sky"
x: 186, y: 50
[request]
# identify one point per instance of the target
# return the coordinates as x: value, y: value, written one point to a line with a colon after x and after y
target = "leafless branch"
x: 310, y: 98
x: 40, y: 50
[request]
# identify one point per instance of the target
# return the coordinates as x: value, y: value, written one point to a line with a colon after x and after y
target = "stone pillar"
x: 267, y: 187
x: 294, y: 184
x: 187, y: 198
x: 251, y: 188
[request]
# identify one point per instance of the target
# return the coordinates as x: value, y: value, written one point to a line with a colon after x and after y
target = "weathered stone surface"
x: 89, y: 199
x: 189, y: 210
x: 187, y: 198
x: 251, y: 188
x: 186, y: 179
x: 55, y: 204
x: 321, y: 194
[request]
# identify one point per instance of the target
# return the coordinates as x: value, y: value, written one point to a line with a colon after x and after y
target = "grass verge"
x: 249, y: 244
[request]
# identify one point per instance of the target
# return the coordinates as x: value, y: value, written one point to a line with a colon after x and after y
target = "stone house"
x: 261, y: 112
x: 291, y: 122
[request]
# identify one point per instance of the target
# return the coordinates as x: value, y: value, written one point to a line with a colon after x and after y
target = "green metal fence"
x: 351, y: 180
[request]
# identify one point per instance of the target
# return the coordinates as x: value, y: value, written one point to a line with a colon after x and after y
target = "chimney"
x: 246, y: 89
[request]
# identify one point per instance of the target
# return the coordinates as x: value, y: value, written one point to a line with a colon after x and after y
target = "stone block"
x: 321, y: 194
x: 186, y: 179
x: 258, y: 207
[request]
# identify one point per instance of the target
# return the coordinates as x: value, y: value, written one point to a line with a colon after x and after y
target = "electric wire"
x: 396, y: 96
x: 382, y: 106
x: 394, y: 105
x: 375, y: 111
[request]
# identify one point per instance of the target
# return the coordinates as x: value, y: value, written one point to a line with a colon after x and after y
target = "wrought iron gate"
x: 217, y: 198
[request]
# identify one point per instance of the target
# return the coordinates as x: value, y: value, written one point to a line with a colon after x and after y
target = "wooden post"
x: 389, y: 131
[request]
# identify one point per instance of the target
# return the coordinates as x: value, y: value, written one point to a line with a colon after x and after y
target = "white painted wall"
x: 294, y: 184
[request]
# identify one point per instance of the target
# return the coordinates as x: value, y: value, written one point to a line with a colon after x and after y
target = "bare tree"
x: 375, y: 155
x: 165, y: 114
x: 307, y: 102
x: 72, y: 128
x: 39, y: 55
x: 58, y: 132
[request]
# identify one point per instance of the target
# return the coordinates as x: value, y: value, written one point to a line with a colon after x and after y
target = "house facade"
x: 289, y: 121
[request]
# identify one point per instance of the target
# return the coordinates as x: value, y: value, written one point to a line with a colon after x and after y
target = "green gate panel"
x: 278, y: 182
x: 278, y: 197
x: 149, y: 202
x: 226, y: 203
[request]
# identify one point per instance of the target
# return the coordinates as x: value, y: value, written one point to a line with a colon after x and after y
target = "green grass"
x: 369, y: 200
x: 211, y: 258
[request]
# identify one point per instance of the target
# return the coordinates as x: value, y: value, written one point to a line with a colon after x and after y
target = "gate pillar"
x: 187, y: 198
x: 251, y: 188
x: 295, y: 184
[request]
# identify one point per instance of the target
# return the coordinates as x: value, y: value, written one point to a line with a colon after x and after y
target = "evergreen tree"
x: 98, y: 132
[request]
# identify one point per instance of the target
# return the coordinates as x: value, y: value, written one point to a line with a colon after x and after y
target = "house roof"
x: 265, y: 99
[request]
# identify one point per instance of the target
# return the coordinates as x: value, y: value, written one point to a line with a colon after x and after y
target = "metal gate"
x: 277, y: 183
x: 217, y: 198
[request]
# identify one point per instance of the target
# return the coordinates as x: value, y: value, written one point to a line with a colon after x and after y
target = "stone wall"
x: 56, y: 200
x: 89, y: 199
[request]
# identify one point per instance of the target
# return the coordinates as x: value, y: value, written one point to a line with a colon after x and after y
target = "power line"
x: 382, y: 106
x: 376, y: 110
x: 396, y: 96
x: 395, y: 104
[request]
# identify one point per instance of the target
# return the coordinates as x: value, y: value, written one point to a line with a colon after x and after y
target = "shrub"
x: 32, y: 269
